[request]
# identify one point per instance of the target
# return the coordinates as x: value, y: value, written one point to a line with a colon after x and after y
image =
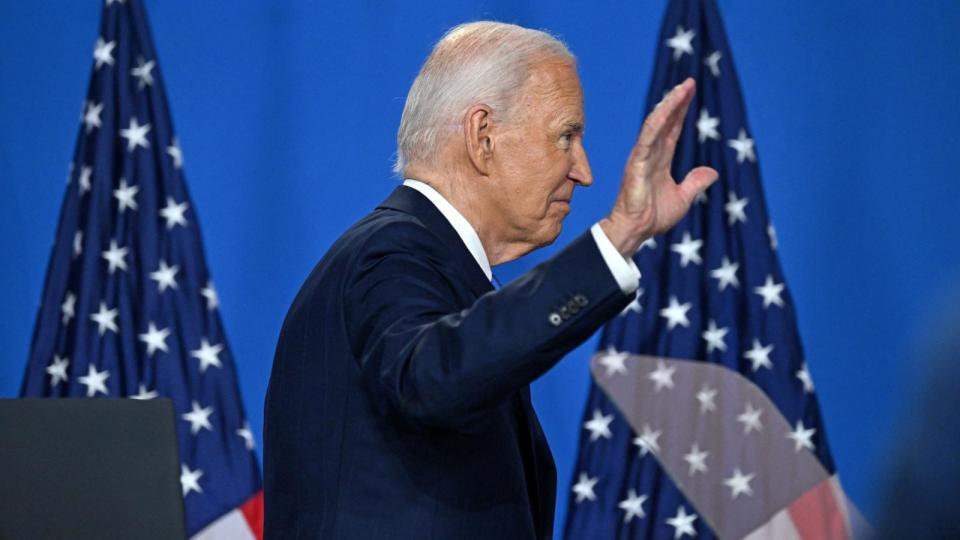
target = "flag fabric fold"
x: 129, y: 308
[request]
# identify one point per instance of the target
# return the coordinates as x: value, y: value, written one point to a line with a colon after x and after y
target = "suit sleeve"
x: 435, y: 365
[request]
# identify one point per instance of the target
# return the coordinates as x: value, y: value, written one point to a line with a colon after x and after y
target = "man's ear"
x: 478, y: 137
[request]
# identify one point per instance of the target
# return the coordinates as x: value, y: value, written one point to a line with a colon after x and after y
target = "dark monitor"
x: 89, y: 468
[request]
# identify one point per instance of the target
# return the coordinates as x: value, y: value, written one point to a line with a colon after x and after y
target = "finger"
x: 659, y: 118
x: 697, y: 181
x: 673, y: 130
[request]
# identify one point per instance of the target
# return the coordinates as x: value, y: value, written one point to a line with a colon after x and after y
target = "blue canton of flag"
x: 128, y: 307
x: 702, y: 419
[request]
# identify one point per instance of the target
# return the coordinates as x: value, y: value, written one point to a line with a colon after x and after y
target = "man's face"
x: 538, y: 157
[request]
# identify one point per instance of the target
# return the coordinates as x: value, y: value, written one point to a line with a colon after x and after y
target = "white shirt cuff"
x: 625, y: 271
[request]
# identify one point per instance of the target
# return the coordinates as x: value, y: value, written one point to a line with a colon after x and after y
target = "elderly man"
x: 399, y: 402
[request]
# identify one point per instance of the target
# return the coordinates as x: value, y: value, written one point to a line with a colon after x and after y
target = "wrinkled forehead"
x: 553, y: 89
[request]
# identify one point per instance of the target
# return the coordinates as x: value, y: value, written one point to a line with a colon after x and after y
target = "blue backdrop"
x: 286, y: 114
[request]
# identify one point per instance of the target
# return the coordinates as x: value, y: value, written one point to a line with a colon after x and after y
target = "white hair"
x: 480, y: 62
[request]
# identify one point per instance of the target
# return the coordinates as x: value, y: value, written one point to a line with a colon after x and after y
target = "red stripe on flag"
x: 817, y: 516
x: 252, y: 511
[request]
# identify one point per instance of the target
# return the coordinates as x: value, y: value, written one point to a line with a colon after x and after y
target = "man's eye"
x: 566, y: 138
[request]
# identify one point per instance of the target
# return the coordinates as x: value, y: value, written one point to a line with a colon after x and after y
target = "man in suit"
x: 399, y: 403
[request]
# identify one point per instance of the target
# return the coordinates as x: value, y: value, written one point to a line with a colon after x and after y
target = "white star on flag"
x: 750, y: 418
x: 681, y: 43
x: 207, y: 354
x: 744, y: 147
x: 58, y: 370
x: 713, y: 62
x: 125, y: 196
x: 707, y: 126
x: 633, y: 306
x: 714, y: 337
x: 726, y: 274
x: 735, y: 208
x: 91, y: 117
x: 688, y: 249
x: 801, y: 437
x: 682, y: 523
x: 68, y: 307
x: 804, y: 375
x: 584, y: 488
x: 103, y: 52
x: 739, y: 483
x: 633, y: 506
x: 199, y: 418
x: 676, y: 313
x: 155, y: 339
x: 190, y: 480
x: 84, y: 180
x: 697, y: 459
x: 759, y: 355
x: 647, y: 441
x: 613, y: 360
x: 144, y: 395
x: 770, y: 291
x: 662, y: 377
x: 95, y: 381
x: 649, y: 243
x: 136, y: 135
x: 173, y: 213
x: 247, y: 435
x: 599, y: 425
x: 210, y: 293
x: 115, y: 256
x: 105, y: 319
x: 165, y: 276
x: 772, y: 233
x: 706, y: 396
x: 142, y: 72
x: 174, y: 151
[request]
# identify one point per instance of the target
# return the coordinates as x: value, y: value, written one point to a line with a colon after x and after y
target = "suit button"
x: 564, y: 312
x: 555, y: 319
x: 580, y: 299
x: 573, y: 307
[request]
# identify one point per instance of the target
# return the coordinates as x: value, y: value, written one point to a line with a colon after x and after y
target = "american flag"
x: 702, y: 419
x: 128, y: 307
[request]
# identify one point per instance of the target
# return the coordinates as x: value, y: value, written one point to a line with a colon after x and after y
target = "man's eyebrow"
x: 573, y: 125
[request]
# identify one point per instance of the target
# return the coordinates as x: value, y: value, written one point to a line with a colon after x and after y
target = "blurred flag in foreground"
x: 702, y: 419
x: 128, y: 307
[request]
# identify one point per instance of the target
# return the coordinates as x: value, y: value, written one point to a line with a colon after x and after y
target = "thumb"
x: 697, y: 181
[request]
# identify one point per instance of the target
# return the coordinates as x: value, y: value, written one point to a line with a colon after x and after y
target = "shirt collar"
x: 460, y: 224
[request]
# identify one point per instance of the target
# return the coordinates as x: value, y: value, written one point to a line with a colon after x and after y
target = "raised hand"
x: 650, y: 200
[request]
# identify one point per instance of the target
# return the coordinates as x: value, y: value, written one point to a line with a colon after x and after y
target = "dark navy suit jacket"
x: 399, y: 402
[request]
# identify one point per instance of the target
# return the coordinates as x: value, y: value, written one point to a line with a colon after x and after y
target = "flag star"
x: 682, y: 523
x: 95, y: 381
x: 143, y: 72
x: 613, y: 361
x: 77, y: 244
x: 676, y: 313
x: 175, y: 153
x: 697, y: 459
x: 714, y: 337
x: 750, y: 418
x: 635, y: 305
x: 735, y: 208
x: 744, y: 147
x: 173, y: 213
x: 700, y: 198
x: 247, y: 435
x: 649, y: 243
x: 190, y: 480
x: 739, y: 483
x: 633, y: 506
x: 144, y: 395
x: 726, y: 274
x: 713, y: 62
x: 802, y: 437
x: 213, y: 300
x: 105, y: 319
x: 84, y: 180
x: 584, y: 488
x: 136, y: 135
x: 759, y: 355
x: 91, y: 117
x: 112, y: 1
x: 688, y: 249
x: 68, y: 307
x: 648, y: 441
x: 58, y: 370
x: 805, y: 378
x: 772, y: 234
x: 115, y: 256
x: 770, y: 292
x: 599, y: 425
x: 165, y: 276
x: 155, y: 339
x: 681, y: 43
x: 103, y: 52
x: 199, y: 418
x: 706, y: 396
x: 207, y: 354
x: 125, y: 196
x: 662, y: 377
x: 707, y: 126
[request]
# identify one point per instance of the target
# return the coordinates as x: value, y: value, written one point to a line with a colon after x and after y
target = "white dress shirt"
x: 624, y: 271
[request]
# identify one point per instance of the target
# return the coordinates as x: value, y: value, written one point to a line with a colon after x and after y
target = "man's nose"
x: 580, y: 172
